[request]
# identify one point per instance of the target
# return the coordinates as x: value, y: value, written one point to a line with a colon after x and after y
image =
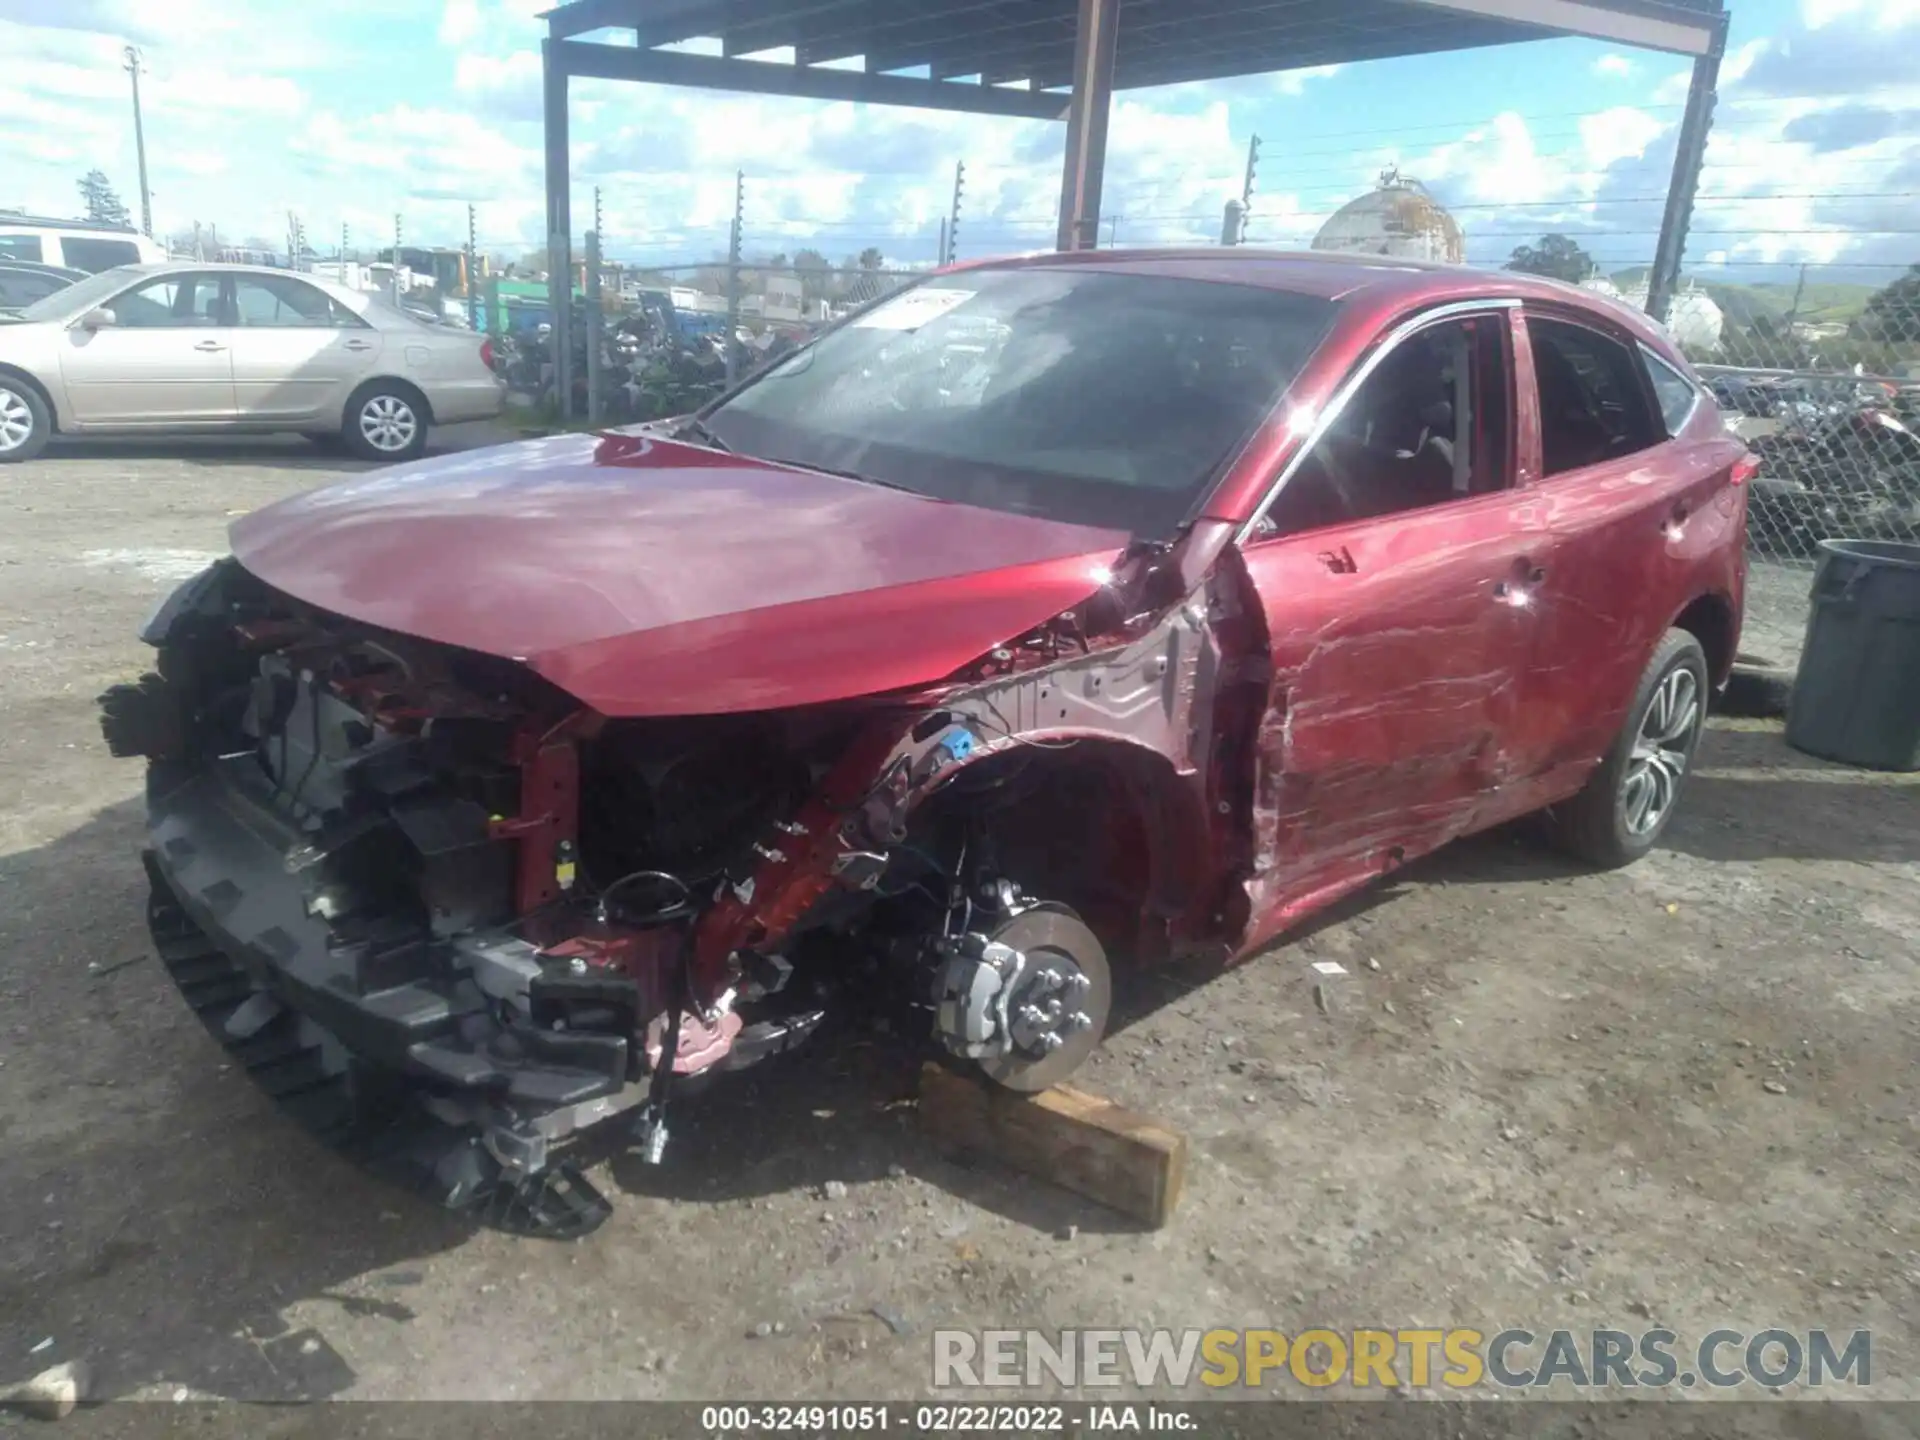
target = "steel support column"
x: 553, y: 76
x: 1689, y: 156
x: 1092, y: 102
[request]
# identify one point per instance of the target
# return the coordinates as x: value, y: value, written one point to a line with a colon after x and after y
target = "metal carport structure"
x: 1063, y: 59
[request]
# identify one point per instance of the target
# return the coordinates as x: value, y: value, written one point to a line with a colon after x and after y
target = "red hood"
x: 651, y: 578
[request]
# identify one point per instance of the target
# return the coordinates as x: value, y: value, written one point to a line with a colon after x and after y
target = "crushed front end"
x: 451, y: 918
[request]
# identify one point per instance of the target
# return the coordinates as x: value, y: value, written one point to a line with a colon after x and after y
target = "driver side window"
x: 172, y: 302
x: 1432, y: 423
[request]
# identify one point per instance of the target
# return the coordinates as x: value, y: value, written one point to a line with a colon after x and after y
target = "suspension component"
x: 1028, y: 1000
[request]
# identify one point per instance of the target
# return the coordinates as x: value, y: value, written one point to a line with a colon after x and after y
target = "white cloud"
x: 1616, y: 134
x: 460, y: 22
x: 1294, y: 82
x: 1879, y: 14
x: 500, y: 86
x: 1616, y: 67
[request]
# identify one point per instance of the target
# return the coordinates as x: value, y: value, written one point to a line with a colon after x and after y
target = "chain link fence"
x: 1832, y: 409
x: 1820, y: 375
x: 655, y: 341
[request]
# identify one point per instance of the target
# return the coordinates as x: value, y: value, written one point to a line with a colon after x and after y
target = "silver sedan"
x: 195, y: 348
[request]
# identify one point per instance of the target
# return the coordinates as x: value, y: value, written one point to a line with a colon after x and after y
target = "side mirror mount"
x: 99, y: 319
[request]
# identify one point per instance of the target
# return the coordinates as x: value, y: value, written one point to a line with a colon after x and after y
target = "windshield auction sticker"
x: 914, y: 308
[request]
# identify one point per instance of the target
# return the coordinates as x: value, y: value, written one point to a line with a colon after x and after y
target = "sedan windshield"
x: 81, y: 296
x: 1091, y: 396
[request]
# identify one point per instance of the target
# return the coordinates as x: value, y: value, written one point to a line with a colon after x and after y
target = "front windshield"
x: 81, y: 296
x: 1091, y: 396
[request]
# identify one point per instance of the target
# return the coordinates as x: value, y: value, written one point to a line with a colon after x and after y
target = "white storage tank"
x: 1400, y: 219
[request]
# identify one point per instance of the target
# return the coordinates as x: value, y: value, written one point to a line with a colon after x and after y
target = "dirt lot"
x: 1684, y: 1093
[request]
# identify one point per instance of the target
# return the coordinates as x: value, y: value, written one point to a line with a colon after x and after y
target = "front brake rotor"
x: 1053, y: 940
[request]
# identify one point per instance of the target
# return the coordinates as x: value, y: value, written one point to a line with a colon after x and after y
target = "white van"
x: 75, y: 244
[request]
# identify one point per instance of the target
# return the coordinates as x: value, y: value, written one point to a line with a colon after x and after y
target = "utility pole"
x: 1246, y: 189
x: 1113, y: 229
x: 140, y: 141
x: 591, y: 285
x: 940, y: 255
x: 198, y: 253
x: 473, y: 268
x: 953, y: 221
x: 343, y: 252
x: 396, y: 260
x: 1234, y: 224
x: 733, y: 276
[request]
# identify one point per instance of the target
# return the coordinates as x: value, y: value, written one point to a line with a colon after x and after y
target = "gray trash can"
x: 1856, y: 698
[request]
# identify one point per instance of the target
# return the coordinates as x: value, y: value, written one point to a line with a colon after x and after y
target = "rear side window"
x: 93, y: 256
x: 270, y: 302
x: 1675, y: 393
x: 21, y: 247
x: 1592, y: 405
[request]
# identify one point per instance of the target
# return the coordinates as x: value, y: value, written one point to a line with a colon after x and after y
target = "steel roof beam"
x: 1684, y: 31
x: 900, y: 28
x: 656, y: 22
x: 1009, y: 52
x: 1221, y: 67
x: 713, y: 72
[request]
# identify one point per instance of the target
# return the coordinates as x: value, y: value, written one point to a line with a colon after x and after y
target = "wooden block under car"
x: 1081, y: 1142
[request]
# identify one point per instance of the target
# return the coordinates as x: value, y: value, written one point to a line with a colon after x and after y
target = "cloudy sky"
x: 351, y: 111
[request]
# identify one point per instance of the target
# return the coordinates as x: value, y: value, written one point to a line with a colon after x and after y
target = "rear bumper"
x: 457, y: 401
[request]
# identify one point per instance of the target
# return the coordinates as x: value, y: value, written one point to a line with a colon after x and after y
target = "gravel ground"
x: 1778, y: 598
x: 1682, y: 1093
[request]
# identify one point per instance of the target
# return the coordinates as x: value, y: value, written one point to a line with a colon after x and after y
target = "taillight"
x: 1744, y: 469
x: 486, y: 353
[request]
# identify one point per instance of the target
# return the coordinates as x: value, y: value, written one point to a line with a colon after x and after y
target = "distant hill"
x: 1820, y: 301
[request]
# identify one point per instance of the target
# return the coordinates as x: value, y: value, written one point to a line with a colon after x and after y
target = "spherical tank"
x: 1398, y: 218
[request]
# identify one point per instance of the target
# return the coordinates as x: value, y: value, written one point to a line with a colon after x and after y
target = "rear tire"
x: 386, y: 422
x: 1627, y: 803
x: 25, y: 425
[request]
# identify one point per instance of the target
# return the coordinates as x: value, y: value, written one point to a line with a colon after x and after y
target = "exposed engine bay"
x: 459, y: 918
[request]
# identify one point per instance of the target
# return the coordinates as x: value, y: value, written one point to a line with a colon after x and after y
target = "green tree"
x: 815, y: 272
x: 1893, y: 314
x: 871, y: 258
x: 104, y: 206
x: 1556, y: 256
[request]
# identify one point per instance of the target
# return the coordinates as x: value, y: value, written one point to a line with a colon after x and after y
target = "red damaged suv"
x: 1052, y: 610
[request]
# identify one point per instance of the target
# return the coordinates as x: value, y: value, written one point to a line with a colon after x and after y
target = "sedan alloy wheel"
x: 388, y: 424
x: 24, y: 422
x: 16, y: 420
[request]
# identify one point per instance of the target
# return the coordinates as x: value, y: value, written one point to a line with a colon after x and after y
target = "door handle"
x: 358, y: 345
x: 210, y: 346
x: 1340, y: 561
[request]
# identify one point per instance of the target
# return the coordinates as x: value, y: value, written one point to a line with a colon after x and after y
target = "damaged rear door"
x: 1394, y: 570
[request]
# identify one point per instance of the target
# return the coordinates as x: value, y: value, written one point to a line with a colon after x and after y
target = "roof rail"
x: 50, y: 222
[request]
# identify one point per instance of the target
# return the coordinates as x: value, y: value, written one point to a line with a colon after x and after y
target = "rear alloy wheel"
x: 1629, y: 800
x: 385, y: 424
x: 24, y: 422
